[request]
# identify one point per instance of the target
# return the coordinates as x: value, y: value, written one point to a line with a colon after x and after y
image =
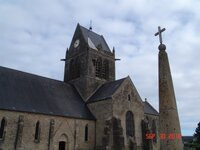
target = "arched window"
x: 105, y: 69
x: 3, y: 123
x: 37, y: 132
x: 98, y: 67
x: 86, y: 133
x: 130, y: 126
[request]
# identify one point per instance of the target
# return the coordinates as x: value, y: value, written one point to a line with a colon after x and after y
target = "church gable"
x: 94, y: 40
x: 128, y: 108
x: 78, y: 43
x: 85, y: 38
x: 116, y: 88
x: 106, y: 91
x: 127, y: 92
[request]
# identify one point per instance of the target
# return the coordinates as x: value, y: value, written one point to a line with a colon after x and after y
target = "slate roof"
x: 95, y: 38
x: 105, y: 91
x: 148, y: 109
x: 20, y: 91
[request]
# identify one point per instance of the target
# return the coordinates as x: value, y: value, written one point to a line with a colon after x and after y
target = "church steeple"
x: 89, y: 62
x: 168, y: 118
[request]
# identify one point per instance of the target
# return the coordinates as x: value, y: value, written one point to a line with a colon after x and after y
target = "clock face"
x: 76, y: 43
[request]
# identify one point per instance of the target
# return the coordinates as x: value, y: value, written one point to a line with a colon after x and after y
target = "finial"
x: 161, y: 46
x: 67, y: 50
x: 90, y: 28
x: 113, y: 50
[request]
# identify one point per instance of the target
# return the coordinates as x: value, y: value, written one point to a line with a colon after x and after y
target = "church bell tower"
x: 89, y: 62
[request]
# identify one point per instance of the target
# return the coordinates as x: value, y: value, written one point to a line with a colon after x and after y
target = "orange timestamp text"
x: 163, y: 136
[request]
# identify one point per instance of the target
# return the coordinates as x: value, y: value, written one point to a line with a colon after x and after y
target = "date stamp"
x: 163, y: 136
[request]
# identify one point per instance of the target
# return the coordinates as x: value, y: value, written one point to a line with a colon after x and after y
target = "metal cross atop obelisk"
x: 159, y: 33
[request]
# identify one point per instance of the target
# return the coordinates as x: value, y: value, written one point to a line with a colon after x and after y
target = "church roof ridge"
x: 31, y: 74
x: 25, y: 92
x: 88, y: 29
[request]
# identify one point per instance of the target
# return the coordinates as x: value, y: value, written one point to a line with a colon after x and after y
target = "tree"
x: 197, y: 133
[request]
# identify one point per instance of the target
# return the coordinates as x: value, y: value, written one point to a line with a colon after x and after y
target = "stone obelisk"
x: 168, y: 115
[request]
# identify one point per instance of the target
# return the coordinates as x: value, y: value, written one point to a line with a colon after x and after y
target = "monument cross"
x: 159, y: 33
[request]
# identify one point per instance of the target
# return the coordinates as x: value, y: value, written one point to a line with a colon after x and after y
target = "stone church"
x: 89, y: 110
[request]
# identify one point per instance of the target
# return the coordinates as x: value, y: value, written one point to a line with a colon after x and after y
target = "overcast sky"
x: 34, y: 36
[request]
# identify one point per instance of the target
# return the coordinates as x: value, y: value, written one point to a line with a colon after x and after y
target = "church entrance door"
x: 62, y: 145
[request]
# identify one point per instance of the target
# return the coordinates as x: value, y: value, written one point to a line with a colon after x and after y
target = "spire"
x: 113, y: 51
x: 168, y: 114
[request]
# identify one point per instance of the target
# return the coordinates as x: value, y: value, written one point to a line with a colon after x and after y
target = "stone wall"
x: 125, y: 99
x: 102, y: 110
x: 152, y: 122
x: 111, y: 119
x: 20, y: 132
